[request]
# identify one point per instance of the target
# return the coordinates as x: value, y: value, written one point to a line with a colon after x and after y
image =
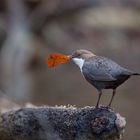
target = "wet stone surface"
x: 60, y: 123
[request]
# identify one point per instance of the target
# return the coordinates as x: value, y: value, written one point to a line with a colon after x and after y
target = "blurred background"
x: 32, y: 29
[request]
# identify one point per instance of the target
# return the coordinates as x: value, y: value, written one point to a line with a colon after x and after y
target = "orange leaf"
x: 55, y: 59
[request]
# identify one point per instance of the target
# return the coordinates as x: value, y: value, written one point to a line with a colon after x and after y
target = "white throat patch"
x: 79, y: 62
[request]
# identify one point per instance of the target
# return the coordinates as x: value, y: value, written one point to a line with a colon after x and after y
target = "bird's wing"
x: 101, y: 69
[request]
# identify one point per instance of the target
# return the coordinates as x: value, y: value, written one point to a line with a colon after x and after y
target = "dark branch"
x: 60, y: 123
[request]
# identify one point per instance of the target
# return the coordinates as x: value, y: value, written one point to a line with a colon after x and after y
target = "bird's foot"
x: 97, y: 106
x: 100, y: 106
x: 109, y: 107
x: 103, y: 106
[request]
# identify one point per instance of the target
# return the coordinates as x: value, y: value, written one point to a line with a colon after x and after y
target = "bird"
x: 101, y: 72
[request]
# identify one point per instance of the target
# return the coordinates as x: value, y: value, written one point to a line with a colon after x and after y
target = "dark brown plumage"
x: 101, y: 72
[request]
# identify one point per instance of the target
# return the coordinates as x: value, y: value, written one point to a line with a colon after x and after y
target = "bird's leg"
x: 113, y: 94
x: 99, y: 97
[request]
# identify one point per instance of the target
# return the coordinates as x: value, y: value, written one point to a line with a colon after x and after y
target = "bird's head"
x: 79, y: 57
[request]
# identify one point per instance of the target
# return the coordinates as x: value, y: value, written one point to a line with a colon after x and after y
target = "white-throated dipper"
x: 101, y: 72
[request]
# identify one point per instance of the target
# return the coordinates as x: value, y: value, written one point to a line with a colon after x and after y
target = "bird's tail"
x: 136, y: 74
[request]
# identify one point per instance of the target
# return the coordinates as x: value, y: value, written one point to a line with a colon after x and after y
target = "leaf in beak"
x: 55, y: 59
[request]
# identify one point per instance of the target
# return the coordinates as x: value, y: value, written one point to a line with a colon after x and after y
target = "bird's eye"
x: 78, y: 55
x: 74, y: 55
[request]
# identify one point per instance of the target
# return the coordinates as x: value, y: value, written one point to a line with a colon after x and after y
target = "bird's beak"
x: 70, y: 57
